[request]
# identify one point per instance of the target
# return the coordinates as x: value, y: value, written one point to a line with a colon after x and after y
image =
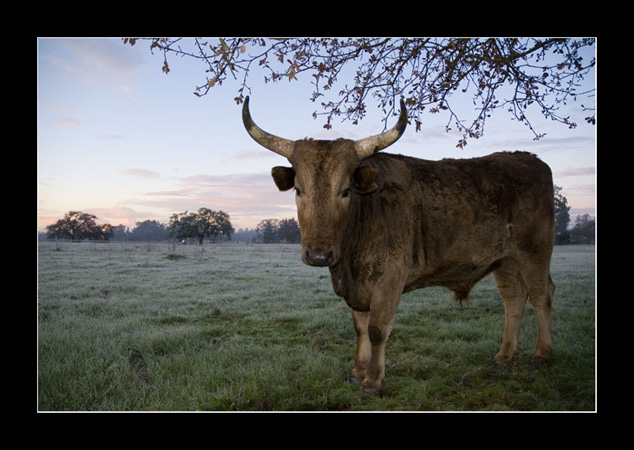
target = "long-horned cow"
x: 387, y: 224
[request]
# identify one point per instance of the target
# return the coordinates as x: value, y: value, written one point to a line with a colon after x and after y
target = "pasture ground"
x: 158, y: 327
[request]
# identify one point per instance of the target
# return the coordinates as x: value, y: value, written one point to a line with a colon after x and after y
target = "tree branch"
x: 426, y: 72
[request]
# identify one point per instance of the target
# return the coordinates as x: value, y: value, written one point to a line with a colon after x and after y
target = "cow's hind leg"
x: 508, y: 278
x: 540, y: 294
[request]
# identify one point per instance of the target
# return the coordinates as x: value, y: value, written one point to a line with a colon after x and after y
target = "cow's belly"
x: 457, y: 277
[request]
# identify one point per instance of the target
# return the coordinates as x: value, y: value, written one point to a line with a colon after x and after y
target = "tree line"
x: 215, y: 226
x: 198, y: 226
x: 583, y: 231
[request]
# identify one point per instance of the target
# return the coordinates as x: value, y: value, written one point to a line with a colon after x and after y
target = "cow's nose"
x: 319, y: 258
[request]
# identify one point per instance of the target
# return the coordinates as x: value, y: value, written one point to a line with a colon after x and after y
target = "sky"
x: 120, y: 139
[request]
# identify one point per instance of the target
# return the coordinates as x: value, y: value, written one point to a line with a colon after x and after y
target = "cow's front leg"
x: 362, y: 357
x: 376, y: 368
x: 379, y: 329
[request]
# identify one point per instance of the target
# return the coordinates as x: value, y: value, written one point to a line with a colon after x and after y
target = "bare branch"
x: 535, y: 73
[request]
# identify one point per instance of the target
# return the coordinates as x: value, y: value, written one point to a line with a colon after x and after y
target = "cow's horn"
x: 276, y: 144
x: 366, y: 147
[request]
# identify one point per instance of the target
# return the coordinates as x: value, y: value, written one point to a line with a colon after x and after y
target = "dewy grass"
x: 128, y: 327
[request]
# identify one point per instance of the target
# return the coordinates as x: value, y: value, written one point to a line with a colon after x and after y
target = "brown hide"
x: 445, y: 223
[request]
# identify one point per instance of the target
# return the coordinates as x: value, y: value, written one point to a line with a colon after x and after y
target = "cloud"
x: 119, y: 215
x: 114, y: 137
x: 575, y: 171
x: 555, y: 144
x: 247, y: 155
x: 68, y: 123
x: 184, y: 192
x: 53, y: 105
x: 140, y: 172
x: 247, y: 198
x: 582, y: 190
x: 246, y: 179
x: 105, y: 62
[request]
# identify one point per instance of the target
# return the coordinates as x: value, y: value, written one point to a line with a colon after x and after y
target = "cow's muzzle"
x: 319, y: 258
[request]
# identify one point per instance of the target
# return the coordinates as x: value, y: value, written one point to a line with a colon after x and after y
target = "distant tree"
x: 183, y: 225
x: 78, y: 226
x: 513, y: 75
x: 215, y: 224
x: 268, y: 230
x: 120, y: 233
x: 289, y: 231
x: 562, y: 218
x: 107, y: 231
x: 149, y: 230
x: 200, y: 224
x: 584, y: 230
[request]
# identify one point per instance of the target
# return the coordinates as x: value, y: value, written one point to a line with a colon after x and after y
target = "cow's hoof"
x: 539, y: 362
x: 377, y: 392
x: 501, y: 360
x: 372, y: 388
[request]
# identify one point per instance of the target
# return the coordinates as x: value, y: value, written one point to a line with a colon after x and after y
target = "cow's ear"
x: 363, y: 179
x: 284, y: 177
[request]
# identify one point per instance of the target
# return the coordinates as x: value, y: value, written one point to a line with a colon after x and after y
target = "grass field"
x: 157, y: 327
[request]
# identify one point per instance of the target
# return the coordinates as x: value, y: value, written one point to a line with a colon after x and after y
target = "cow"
x: 386, y: 224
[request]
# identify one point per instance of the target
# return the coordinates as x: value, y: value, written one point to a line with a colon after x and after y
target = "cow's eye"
x: 297, y: 192
x: 345, y: 193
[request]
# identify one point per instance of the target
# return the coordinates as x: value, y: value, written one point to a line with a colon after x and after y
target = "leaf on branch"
x: 291, y: 75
